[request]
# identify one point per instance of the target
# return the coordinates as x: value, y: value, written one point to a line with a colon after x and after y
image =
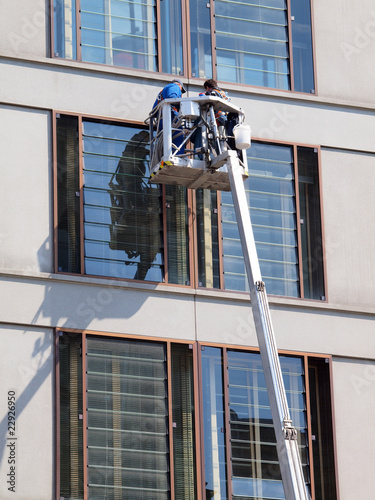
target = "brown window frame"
x: 186, y: 45
x: 197, y: 347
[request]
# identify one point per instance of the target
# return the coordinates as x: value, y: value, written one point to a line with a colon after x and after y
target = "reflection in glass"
x: 252, y: 43
x: 214, y: 424
x: 65, y: 28
x: 255, y: 467
x: 119, y: 32
x: 122, y: 212
x: 303, y: 64
x: 270, y: 192
x: 200, y: 36
x: 171, y: 37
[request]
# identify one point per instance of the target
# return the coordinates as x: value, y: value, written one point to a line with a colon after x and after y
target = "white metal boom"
x: 214, y: 165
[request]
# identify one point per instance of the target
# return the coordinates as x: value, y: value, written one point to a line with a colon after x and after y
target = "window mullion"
x: 228, y: 451
x: 186, y: 65
x: 78, y: 30
x: 197, y: 391
x: 290, y: 47
x: 298, y: 222
x: 158, y: 30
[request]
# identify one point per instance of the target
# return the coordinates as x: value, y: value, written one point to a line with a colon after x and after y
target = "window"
x: 284, y: 204
x: 109, y: 218
x: 112, y: 222
x: 264, y: 43
x: 132, y: 423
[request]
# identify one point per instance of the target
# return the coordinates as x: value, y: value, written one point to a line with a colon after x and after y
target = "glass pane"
x: 171, y: 37
x: 207, y: 239
x: 177, y: 235
x: 119, y: 32
x: 200, y: 36
x: 214, y: 423
x: 321, y: 422
x: 311, y: 230
x: 183, y: 422
x: 303, y: 64
x: 68, y: 205
x: 270, y: 192
x: 252, y: 43
x: 71, y: 429
x: 122, y: 211
x: 65, y: 29
x: 127, y: 423
x: 255, y: 466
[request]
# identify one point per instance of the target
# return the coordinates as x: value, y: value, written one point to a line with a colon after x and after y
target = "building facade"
x: 129, y: 360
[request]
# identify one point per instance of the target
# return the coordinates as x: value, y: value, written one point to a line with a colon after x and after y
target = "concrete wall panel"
x: 349, y: 204
x: 56, y: 85
x: 354, y: 406
x: 25, y: 190
x: 24, y: 27
x: 345, y: 49
x: 27, y: 367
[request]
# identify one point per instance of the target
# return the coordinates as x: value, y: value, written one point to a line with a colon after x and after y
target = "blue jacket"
x: 170, y: 91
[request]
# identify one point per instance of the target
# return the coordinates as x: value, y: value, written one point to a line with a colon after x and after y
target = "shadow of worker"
x: 135, y: 208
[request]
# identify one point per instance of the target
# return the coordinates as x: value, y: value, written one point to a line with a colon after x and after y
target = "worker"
x: 173, y: 90
x: 212, y: 88
x: 224, y: 120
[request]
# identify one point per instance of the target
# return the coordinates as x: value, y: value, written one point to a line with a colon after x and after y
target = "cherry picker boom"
x: 218, y: 161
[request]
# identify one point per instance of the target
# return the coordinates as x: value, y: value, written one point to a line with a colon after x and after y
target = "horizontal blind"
x: 252, y: 42
x: 255, y: 466
x: 270, y: 192
x: 127, y: 435
x: 122, y: 212
x: 119, y: 32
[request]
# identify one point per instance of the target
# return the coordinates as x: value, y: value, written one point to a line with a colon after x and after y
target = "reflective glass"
x: 207, y: 239
x: 171, y: 37
x: 122, y: 211
x: 255, y: 466
x: 119, y: 32
x: 177, y: 235
x: 200, y: 39
x: 270, y: 193
x: 311, y: 229
x: 252, y: 43
x: 303, y: 64
x: 214, y: 423
x: 65, y: 29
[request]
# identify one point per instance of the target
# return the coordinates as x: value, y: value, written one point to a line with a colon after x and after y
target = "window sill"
x: 161, y: 288
x: 162, y: 78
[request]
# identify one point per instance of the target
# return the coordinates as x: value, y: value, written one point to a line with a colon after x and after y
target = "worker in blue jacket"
x: 173, y: 90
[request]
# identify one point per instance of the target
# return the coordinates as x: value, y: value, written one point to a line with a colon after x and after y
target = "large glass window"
x: 128, y: 421
x: 267, y: 43
x: 112, y: 222
x: 109, y: 217
x: 275, y: 199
